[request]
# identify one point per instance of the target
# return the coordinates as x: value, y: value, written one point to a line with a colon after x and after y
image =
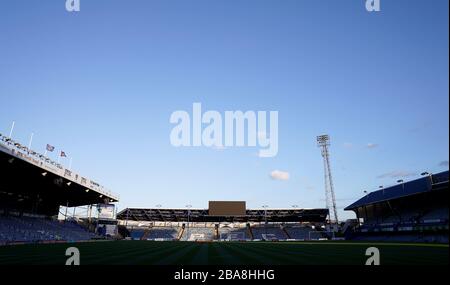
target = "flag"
x: 63, y: 154
x: 50, y: 147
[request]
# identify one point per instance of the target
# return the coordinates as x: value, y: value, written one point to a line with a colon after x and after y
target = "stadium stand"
x: 137, y: 234
x: 206, y: 227
x: 202, y: 216
x: 198, y: 234
x: 415, y: 211
x: 32, y: 190
x: 299, y: 232
x: 166, y: 233
x: 268, y: 233
x: 26, y: 229
x: 234, y: 234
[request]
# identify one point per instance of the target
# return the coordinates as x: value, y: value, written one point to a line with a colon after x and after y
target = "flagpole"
x: 70, y: 164
x: 31, y: 140
x: 12, y: 129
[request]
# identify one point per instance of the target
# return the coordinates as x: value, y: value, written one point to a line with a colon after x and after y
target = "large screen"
x: 227, y: 208
x: 105, y: 211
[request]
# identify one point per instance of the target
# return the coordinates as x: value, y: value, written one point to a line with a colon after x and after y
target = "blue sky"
x: 101, y: 85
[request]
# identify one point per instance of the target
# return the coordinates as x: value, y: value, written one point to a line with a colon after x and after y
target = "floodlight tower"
x: 323, y: 142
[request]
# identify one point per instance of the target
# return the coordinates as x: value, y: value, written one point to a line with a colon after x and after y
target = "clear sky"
x: 102, y: 83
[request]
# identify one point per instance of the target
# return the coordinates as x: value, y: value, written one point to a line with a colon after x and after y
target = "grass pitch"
x: 226, y: 253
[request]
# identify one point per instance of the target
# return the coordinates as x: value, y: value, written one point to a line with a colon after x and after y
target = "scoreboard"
x: 227, y: 208
x: 105, y: 211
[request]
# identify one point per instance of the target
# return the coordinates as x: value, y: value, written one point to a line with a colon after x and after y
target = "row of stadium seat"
x: 300, y: 233
x: 269, y: 233
x: 27, y: 229
x: 154, y: 233
x: 435, y: 219
x: 168, y: 233
x: 387, y: 237
x: 194, y: 233
x: 234, y: 234
x: 224, y: 233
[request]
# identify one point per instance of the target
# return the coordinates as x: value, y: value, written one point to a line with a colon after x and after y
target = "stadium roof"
x: 27, y: 175
x: 422, y: 185
x: 201, y: 215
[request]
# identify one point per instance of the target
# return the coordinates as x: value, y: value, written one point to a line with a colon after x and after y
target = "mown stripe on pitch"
x: 215, y: 255
x: 280, y: 255
x: 240, y: 255
x: 109, y: 255
x: 155, y: 257
x: 308, y: 254
x: 174, y: 259
x: 222, y: 255
x: 199, y: 257
x: 140, y: 250
x: 152, y: 252
x: 274, y: 256
x: 33, y: 254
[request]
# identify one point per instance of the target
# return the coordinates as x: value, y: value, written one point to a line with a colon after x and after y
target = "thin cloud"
x: 279, y: 175
x: 372, y: 145
x: 348, y: 145
x: 444, y: 163
x: 396, y: 174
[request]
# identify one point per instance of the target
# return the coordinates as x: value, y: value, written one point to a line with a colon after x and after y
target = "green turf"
x: 227, y: 253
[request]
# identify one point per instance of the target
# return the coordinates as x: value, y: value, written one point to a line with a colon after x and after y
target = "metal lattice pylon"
x: 323, y: 142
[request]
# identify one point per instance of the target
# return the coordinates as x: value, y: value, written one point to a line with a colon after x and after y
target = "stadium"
x: 407, y: 223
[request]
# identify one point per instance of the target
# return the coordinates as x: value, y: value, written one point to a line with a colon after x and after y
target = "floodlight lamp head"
x: 323, y: 140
